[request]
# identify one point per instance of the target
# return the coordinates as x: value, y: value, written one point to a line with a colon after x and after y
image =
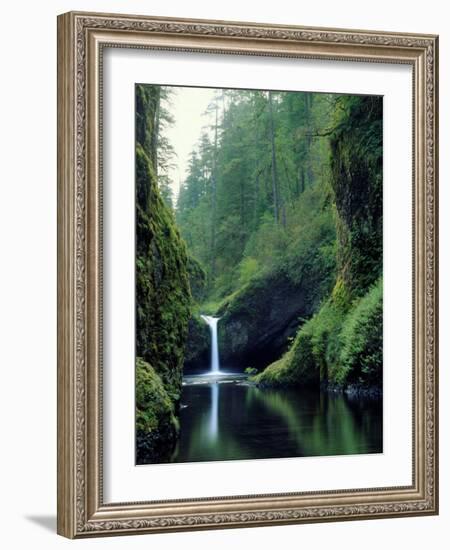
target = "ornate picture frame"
x: 82, y: 38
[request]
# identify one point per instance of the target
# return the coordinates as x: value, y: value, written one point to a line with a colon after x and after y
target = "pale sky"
x: 187, y: 108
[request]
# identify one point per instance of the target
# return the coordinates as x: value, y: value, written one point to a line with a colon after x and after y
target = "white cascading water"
x: 212, y: 323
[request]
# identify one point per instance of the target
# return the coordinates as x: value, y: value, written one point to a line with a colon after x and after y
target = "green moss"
x: 340, y: 295
x: 153, y: 404
x: 306, y: 362
x: 156, y: 423
x: 197, y: 351
x: 197, y: 278
x: 341, y: 345
x: 357, y: 182
x: 361, y: 342
x: 210, y: 307
x: 162, y: 284
x: 163, y: 299
x: 248, y: 268
x: 250, y: 371
x: 297, y: 367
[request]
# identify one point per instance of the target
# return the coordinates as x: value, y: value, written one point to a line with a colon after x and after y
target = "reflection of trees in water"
x: 368, y: 415
x: 225, y: 422
x: 326, y: 424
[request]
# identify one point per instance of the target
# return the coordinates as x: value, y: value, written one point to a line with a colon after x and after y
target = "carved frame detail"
x: 81, y: 37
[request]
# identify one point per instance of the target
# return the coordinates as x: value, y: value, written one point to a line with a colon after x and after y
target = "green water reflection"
x: 236, y: 421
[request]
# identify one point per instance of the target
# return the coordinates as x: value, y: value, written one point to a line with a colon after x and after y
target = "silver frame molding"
x: 81, y: 39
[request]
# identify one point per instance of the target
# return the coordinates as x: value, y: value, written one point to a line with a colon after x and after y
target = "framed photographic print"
x: 247, y: 276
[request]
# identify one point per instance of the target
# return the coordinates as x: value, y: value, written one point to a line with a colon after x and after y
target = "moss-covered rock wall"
x: 258, y: 321
x: 198, y: 347
x: 163, y: 298
x: 357, y: 182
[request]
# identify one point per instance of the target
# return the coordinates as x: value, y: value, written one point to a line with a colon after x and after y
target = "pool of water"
x: 232, y: 420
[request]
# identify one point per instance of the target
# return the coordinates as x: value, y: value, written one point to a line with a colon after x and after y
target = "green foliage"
x: 259, y: 319
x: 361, y: 341
x: 342, y: 343
x: 210, y: 307
x: 266, y: 245
x: 296, y: 368
x: 153, y: 404
x: 197, y: 279
x: 156, y: 423
x: 250, y: 371
x: 280, y: 281
x: 225, y: 209
x: 197, y: 350
x: 248, y: 268
x: 341, y: 296
x: 305, y: 363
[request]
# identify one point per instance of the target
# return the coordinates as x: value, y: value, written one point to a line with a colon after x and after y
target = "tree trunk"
x: 214, y: 198
x: 308, y: 107
x: 157, y: 127
x: 256, y: 148
x: 274, y: 163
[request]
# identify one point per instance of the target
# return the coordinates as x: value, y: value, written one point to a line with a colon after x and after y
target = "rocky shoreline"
x: 353, y: 391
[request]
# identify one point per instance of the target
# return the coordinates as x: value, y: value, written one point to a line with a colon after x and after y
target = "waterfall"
x: 212, y: 322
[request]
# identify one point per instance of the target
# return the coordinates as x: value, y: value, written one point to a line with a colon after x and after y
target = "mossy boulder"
x: 295, y: 368
x: 306, y: 362
x: 156, y: 422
